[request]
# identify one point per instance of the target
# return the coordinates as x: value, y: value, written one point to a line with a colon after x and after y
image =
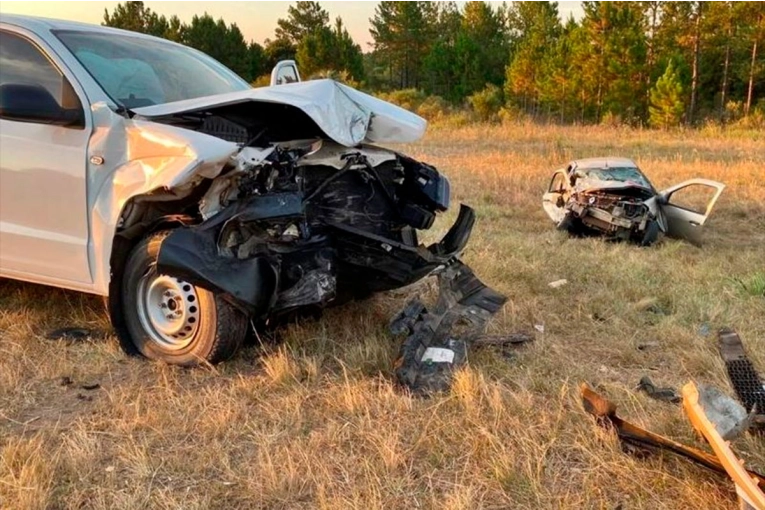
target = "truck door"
x: 44, y: 132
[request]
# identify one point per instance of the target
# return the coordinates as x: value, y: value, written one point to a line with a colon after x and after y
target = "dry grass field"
x: 311, y: 418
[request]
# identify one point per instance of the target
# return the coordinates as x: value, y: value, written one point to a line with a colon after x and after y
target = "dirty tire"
x: 651, y: 233
x: 219, y: 329
x: 572, y: 225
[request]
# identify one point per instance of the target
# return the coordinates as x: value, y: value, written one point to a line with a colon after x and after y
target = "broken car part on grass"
x: 746, y: 382
x: 437, y: 340
x: 612, y: 197
x: 605, y: 413
x: 748, y: 484
x: 663, y: 394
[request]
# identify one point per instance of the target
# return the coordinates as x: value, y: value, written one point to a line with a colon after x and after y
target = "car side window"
x: 694, y: 198
x: 558, y: 183
x: 23, y: 63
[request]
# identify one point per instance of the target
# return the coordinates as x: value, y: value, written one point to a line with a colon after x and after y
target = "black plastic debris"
x: 663, y: 394
x: 437, y: 341
x: 90, y: 386
x: 749, y: 387
x: 69, y: 333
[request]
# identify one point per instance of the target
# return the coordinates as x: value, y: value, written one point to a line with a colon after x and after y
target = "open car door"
x: 554, y: 200
x: 285, y: 71
x: 684, y: 213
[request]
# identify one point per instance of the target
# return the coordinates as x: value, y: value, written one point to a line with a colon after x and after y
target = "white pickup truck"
x: 143, y: 170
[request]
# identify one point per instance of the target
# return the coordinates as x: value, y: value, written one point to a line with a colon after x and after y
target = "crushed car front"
x: 612, y: 196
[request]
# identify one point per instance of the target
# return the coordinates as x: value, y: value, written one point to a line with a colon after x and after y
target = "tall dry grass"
x: 311, y: 419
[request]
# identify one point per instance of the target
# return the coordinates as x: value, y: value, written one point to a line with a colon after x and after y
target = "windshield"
x: 623, y: 174
x: 138, y: 71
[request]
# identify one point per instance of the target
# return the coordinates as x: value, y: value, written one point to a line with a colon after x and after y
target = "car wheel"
x: 571, y: 224
x: 173, y: 321
x: 651, y: 233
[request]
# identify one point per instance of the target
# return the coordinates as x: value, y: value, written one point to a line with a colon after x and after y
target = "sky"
x: 256, y: 20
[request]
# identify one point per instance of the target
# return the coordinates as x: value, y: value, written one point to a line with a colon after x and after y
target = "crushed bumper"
x: 343, y: 256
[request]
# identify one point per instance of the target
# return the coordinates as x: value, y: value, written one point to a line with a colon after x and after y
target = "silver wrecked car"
x: 612, y: 197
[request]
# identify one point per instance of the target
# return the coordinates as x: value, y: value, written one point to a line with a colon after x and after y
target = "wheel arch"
x: 138, y: 219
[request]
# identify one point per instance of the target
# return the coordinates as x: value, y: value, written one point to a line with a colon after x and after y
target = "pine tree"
x: 327, y: 49
x: 135, y: 16
x: 666, y: 108
x: 535, y: 29
x: 278, y: 49
x: 402, y: 33
x: 484, y: 27
x: 224, y: 43
x: 439, y: 65
x: 755, y: 15
x: 304, y: 18
x: 611, y: 49
x: 555, y: 80
x: 128, y: 16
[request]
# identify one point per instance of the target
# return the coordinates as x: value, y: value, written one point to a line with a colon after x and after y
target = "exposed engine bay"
x: 620, y: 213
x: 312, y: 222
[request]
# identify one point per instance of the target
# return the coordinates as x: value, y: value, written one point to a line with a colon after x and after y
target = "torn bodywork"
x: 748, y: 385
x: 301, y: 211
x: 749, y: 485
x: 293, y: 231
x: 605, y: 413
x: 437, y: 340
x: 612, y: 197
x: 663, y: 394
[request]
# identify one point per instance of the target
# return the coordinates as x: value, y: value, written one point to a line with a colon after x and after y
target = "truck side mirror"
x: 285, y: 71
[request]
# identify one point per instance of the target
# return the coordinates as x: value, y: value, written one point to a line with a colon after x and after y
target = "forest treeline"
x: 656, y: 63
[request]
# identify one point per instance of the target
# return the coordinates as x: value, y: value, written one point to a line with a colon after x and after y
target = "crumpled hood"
x: 591, y: 184
x: 343, y: 114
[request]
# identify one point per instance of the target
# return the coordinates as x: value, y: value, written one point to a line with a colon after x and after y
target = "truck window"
x: 23, y: 63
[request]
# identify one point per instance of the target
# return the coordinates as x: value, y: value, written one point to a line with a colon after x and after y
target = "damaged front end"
x: 312, y: 223
x: 625, y: 213
x: 304, y: 211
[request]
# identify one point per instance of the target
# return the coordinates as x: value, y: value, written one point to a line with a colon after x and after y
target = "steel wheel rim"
x: 168, y: 309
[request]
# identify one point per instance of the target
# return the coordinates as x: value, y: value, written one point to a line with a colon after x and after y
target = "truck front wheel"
x: 173, y: 321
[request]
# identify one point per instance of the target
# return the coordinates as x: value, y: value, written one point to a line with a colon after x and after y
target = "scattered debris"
x: 90, y: 386
x: 557, y: 283
x: 728, y: 416
x: 109, y: 469
x: 86, y: 398
x: 65, y: 381
x: 437, y: 341
x: 704, y: 330
x: 605, y: 413
x: 665, y: 394
x: 502, y: 340
x: 69, y: 333
x: 540, y: 327
x: 695, y: 404
x: 747, y: 384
